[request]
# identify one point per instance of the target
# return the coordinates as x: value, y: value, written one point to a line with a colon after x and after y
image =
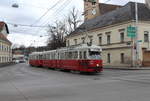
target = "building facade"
x: 5, y: 45
x: 110, y: 32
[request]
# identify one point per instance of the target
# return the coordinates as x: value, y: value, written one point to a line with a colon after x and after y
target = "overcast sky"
x: 30, y: 11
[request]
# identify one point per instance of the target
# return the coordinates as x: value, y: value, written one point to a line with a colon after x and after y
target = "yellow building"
x: 110, y: 32
x: 5, y: 45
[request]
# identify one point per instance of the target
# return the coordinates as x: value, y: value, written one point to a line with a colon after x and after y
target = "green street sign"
x: 92, y: 0
x: 139, y: 41
x: 131, y: 32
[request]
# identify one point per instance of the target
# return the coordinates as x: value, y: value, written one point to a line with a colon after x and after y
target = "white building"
x: 5, y: 45
x: 110, y: 32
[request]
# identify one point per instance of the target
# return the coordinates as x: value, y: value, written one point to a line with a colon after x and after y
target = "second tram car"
x: 81, y: 58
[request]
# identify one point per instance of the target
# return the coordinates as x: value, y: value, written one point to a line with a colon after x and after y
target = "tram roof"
x: 74, y: 47
x: 80, y: 46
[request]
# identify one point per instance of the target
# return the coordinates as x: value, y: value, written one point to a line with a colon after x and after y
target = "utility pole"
x: 137, y: 35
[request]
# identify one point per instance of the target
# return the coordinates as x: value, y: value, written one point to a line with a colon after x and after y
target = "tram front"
x: 94, y: 59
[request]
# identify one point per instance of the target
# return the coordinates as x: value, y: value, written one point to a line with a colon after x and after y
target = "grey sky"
x: 30, y: 10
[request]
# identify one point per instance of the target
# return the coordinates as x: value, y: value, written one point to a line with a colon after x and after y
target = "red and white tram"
x: 81, y: 58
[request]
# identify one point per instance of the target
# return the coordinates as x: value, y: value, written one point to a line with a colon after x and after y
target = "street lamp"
x: 15, y: 5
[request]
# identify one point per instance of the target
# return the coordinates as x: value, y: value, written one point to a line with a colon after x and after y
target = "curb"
x: 127, y: 68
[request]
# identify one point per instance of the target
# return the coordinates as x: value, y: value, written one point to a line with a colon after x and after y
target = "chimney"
x: 148, y: 3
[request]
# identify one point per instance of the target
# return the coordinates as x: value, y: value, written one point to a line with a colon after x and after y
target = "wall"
x: 5, y: 52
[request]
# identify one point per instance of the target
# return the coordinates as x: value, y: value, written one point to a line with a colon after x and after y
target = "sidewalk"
x: 6, y: 64
x: 126, y: 68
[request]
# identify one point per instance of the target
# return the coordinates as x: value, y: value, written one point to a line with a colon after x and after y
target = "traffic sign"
x: 131, y: 32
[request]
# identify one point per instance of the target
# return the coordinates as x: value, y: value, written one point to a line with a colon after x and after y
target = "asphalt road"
x: 23, y: 83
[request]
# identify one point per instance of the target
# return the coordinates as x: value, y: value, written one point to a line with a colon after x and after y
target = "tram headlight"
x: 97, y: 65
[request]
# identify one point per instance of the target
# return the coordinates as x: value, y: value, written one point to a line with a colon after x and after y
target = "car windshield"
x: 94, y: 55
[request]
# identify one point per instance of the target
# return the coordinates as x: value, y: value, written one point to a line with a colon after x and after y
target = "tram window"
x: 46, y: 56
x: 62, y: 56
x: 84, y: 55
x: 75, y: 55
x: 58, y: 57
x: 66, y: 55
x: 49, y: 55
x: 70, y: 55
x: 52, y: 56
x: 94, y: 55
x: 42, y: 57
x: 39, y: 57
x: 80, y: 55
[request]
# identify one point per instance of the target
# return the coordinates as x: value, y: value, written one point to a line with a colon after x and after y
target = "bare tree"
x: 73, y: 20
x: 57, y: 33
x: 60, y: 29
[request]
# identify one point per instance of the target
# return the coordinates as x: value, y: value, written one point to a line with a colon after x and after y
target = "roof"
x: 2, y: 24
x: 123, y: 14
x: 2, y: 37
x: 105, y: 8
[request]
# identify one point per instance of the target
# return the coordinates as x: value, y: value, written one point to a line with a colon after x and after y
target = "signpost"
x: 131, y: 32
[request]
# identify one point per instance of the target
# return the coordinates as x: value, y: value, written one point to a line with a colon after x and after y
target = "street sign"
x: 92, y: 0
x: 131, y: 32
x: 139, y: 41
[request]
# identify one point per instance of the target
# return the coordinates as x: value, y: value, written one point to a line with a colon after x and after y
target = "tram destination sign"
x: 131, y: 32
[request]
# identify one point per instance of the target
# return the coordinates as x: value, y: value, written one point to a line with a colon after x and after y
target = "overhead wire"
x: 16, y: 24
x: 57, y: 12
x: 46, y: 12
x: 63, y: 6
x: 41, y: 26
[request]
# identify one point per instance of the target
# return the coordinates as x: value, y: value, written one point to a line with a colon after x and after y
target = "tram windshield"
x: 94, y: 55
